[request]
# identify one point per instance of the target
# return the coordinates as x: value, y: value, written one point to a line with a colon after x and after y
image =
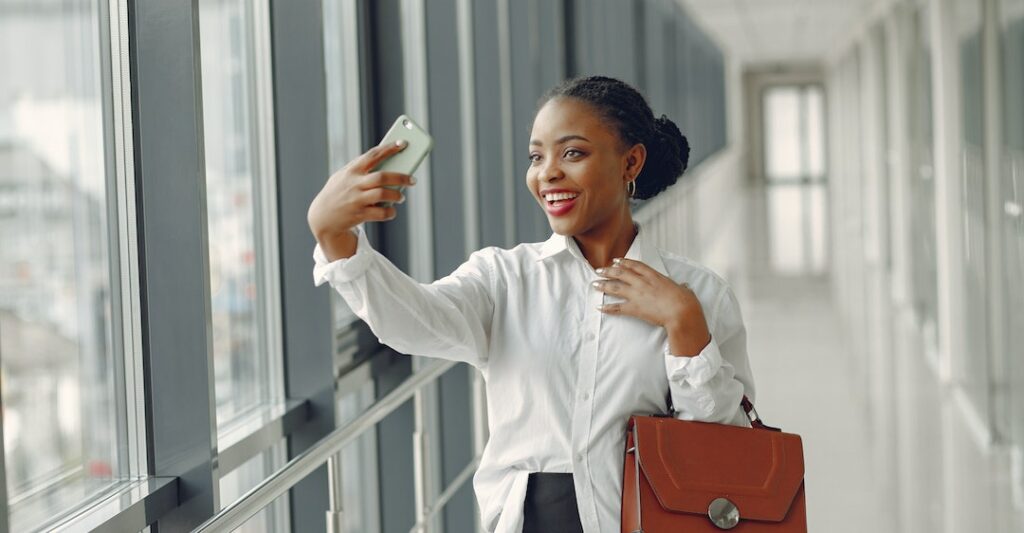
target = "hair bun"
x: 667, y: 154
x: 673, y: 138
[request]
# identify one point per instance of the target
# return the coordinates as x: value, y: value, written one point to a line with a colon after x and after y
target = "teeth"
x: 560, y: 196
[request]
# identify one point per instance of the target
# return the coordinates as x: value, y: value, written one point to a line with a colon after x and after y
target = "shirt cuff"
x: 697, y: 370
x: 345, y: 269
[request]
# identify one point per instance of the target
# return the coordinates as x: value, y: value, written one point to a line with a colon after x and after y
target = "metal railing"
x: 326, y: 451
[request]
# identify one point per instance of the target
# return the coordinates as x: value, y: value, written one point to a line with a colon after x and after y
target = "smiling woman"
x: 573, y: 334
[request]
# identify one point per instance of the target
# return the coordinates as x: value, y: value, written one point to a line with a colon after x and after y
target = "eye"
x: 572, y: 152
x: 534, y: 157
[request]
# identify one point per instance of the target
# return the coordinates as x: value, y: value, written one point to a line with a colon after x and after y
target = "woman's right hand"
x: 349, y: 198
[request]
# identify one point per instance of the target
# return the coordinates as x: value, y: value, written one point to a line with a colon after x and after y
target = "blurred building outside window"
x: 236, y: 180
x: 64, y: 436
x: 240, y: 184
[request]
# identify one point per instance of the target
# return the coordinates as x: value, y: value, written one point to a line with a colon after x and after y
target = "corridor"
x: 805, y: 381
x: 178, y: 353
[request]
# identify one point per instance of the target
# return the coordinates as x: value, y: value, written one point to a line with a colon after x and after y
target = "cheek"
x: 531, y: 178
x: 599, y: 179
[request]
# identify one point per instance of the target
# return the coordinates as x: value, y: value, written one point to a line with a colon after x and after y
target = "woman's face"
x: 578, y: 161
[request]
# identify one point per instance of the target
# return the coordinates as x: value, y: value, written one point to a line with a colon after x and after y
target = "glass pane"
x: 794, y: 133
x: 359, y: 486
x: 56, y: 329
x: 796, y: 222
x: 922, y: 183
x: 815, y: 116
x: 341, y: 68
x: 233, y: 178
x: 782, y: 137
x: 1012, y: 196
x: 272, y: 518
x: 972, y: 367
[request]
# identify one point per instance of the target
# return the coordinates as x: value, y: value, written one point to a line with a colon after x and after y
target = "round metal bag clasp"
x: 723, y: 513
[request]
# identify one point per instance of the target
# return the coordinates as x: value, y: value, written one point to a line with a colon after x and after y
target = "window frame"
x: 125, y: 352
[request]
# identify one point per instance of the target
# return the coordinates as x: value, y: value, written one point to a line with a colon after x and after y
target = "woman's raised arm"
x: 449, y: 318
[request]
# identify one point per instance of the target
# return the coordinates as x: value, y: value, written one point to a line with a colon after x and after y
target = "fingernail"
x: 401, y: 200
x: 616, y: 261
x: 596, y: 284
x: 601, y: 271
x: 412, y: 180
x: 599, y: 307
x: 401, y: 143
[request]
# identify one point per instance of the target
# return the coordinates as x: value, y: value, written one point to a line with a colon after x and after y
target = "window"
x: 794, y: 166
x: 60, y: 352
x: 235, y: 74
x: 1011, y: 36
x: 922, y: 182
x: 344, y: 117
x: 274, y: 517
x: 972, y: 369
x: 793, y: 136
x: 495, y: 182
x: 360, y: 490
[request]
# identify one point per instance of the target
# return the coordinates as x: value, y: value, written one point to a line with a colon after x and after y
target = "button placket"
x: 582, y: 411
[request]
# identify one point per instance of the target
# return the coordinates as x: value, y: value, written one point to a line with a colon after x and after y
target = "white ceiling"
x: 780, y: 31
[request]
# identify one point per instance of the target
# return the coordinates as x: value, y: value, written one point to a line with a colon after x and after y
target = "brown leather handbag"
x: 683, y: 476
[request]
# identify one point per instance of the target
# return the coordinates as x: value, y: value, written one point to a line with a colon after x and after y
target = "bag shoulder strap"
x: 755, y: 421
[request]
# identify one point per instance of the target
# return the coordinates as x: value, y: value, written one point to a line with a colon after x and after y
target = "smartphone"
x: 405, y: 162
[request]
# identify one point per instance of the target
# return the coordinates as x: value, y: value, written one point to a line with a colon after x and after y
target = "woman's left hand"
x: 657, y: 299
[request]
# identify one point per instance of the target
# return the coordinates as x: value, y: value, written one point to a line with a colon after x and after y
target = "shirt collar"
x: 642, y: 249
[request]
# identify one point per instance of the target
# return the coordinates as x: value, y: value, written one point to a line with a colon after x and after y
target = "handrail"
x: 236, y: 514
x: 448, y: 494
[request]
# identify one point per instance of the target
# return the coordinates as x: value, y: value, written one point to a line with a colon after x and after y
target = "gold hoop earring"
x: 631, y: 187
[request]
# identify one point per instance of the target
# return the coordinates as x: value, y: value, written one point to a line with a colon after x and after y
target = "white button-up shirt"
x: 562, y: 377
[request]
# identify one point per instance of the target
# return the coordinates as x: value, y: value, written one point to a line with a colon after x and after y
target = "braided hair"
x: 667, y: 148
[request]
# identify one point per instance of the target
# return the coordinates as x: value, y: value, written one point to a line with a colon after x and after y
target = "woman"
x: 572, y: 335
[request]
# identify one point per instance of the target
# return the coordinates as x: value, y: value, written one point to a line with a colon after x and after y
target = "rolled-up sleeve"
x: 709, y: 386
x: 449, y: 318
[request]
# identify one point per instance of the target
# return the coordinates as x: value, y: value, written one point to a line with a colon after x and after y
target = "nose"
x: 551, y: 170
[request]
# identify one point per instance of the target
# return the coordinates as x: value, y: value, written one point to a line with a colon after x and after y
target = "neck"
x: 607, y: 241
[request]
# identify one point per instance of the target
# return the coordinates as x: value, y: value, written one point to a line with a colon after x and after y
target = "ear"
x: 635, y: 157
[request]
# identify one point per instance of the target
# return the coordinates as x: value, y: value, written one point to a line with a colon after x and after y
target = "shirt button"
x: 590, y: 335
x: 579, y: 457
x: 585, y: 396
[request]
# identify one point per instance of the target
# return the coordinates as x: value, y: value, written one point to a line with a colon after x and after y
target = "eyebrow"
x: 561, y: 140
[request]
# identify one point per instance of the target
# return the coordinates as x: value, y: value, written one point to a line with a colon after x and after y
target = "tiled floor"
x: 802, y: 376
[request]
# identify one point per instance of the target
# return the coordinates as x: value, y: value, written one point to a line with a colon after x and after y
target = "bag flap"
x: 690, y: 464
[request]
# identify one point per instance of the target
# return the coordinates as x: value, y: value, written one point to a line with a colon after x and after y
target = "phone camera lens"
x: 407, y: 124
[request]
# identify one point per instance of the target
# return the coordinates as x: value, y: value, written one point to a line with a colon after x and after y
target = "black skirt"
x: 550, y: 504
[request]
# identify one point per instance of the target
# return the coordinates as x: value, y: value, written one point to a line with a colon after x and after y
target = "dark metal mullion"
x: 300, y: 117
x: 173, y: 254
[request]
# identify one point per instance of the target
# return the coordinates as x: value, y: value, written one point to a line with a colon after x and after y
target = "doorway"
x: 794, y: 170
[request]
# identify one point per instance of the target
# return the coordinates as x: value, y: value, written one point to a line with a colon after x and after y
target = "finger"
x: 374, y: 156
x: 641, y: 269
x: 613, y: 287
x: 376, y: 213
x: 638, y: 267
x: 615, y: 309
x: 381, y: 179
x: 381, y: 194
x: 619, y: 273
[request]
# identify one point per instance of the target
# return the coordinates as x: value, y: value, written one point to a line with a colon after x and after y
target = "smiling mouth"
x: 557, y: 199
